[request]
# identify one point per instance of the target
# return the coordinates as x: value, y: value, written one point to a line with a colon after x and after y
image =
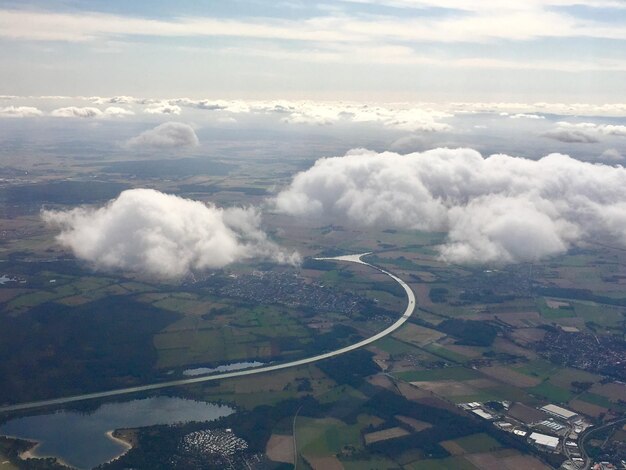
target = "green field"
x: 554, y: 313
x: 552, y: 392
x: 247, y: 334
x: 476, y: 443
x: 445, y: 353
x: 447, y: 373
x: 450, y: 463
x: 538, y: 368
x: 601, y: 314
x: 394, y: 346
x: 599, y: 400
x: 327, y: 436
x: 375, y: 463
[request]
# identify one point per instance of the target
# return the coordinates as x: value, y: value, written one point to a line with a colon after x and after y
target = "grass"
x: 418, y: 335
x: 448, y: 373
x: 565, y: 377
x: 599, y: 400
x: 552, y: 392
x: 445, y: 353
x: 476, y: 443
x: 450, y: 463
x: 327, y: 436
x: 341, y: 391
x: 394, y: 346
x: 31, y: 299
x: 511, y: 393
x: 244, y: 334
x: 479, y: 396
x: 374, y: 463
x: 600, y: 314
x: 538, y: 368
x: 554, y: 313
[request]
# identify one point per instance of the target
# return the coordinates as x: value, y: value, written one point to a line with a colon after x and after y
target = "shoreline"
x: 31, y: 453
x: 127, y: 446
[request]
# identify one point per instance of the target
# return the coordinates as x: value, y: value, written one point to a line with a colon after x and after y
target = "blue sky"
x: 384, y: 50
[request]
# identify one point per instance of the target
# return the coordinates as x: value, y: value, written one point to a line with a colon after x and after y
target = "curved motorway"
x: 240, y: 373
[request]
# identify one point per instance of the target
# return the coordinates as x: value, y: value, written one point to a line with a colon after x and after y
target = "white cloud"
x: 163, y: 108
x: 584, y: 132
x: 612, y: 156
x: 407, y: 144
x: 526, y: 116
x: 407, y: 117
x: 74, y: 111
x: 162, y: 235
x: 519, y: 21
x: 20, y: 111
x: 619, y: 131
x: 209, y: 105
x: 571, y: 136
x: 114, y: 100
x: 496, y: 209
x: 490, y: 5
x: 167, y: 135
x: 116, y: 111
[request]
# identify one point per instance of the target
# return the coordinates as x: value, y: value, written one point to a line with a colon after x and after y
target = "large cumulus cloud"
x: 495, y: 209
x: 162, y: 235
x: 167, y: 135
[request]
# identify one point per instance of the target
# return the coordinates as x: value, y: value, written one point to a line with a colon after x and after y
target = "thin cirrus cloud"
x: 337, y: 50
x: 499, y: 209
x: 169, y: 135
x: 483, y: 24
x: 164, y: 236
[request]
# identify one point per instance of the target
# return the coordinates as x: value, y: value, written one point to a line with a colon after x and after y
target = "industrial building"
x: 544, y: 441
x: 559, y: 412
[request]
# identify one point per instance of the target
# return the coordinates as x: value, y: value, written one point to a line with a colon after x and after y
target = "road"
x: 240, y: 373
x: 587, y: 433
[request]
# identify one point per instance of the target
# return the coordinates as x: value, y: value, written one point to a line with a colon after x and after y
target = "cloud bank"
x: 584, y: 132
x: 90, y: 112
x: 20, y: 111
x: 165, y: 236
x: 74, y: 111
x: 498, y: 209
x: 168, y: 135
x: 163, y: 108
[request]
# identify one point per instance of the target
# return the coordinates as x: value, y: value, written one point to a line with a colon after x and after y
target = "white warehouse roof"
x: 483, y: 414
x: 558, y: 411
x: 544, y: 440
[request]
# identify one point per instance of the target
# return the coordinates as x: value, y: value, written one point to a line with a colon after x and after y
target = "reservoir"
x: 80, y: 440
x: 223, y: 368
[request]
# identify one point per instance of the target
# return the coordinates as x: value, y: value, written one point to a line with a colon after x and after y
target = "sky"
x: 369, y: 50
x: 500, y: 123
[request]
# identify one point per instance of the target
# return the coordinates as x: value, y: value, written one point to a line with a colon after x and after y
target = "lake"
x: 80, y: 439
x: 223, y: 368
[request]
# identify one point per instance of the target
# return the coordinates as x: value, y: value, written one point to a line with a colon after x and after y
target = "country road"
x: 240, y: 373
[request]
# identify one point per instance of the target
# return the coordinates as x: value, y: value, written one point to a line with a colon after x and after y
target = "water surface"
x: 80, y: 439
x: 224, y: 368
